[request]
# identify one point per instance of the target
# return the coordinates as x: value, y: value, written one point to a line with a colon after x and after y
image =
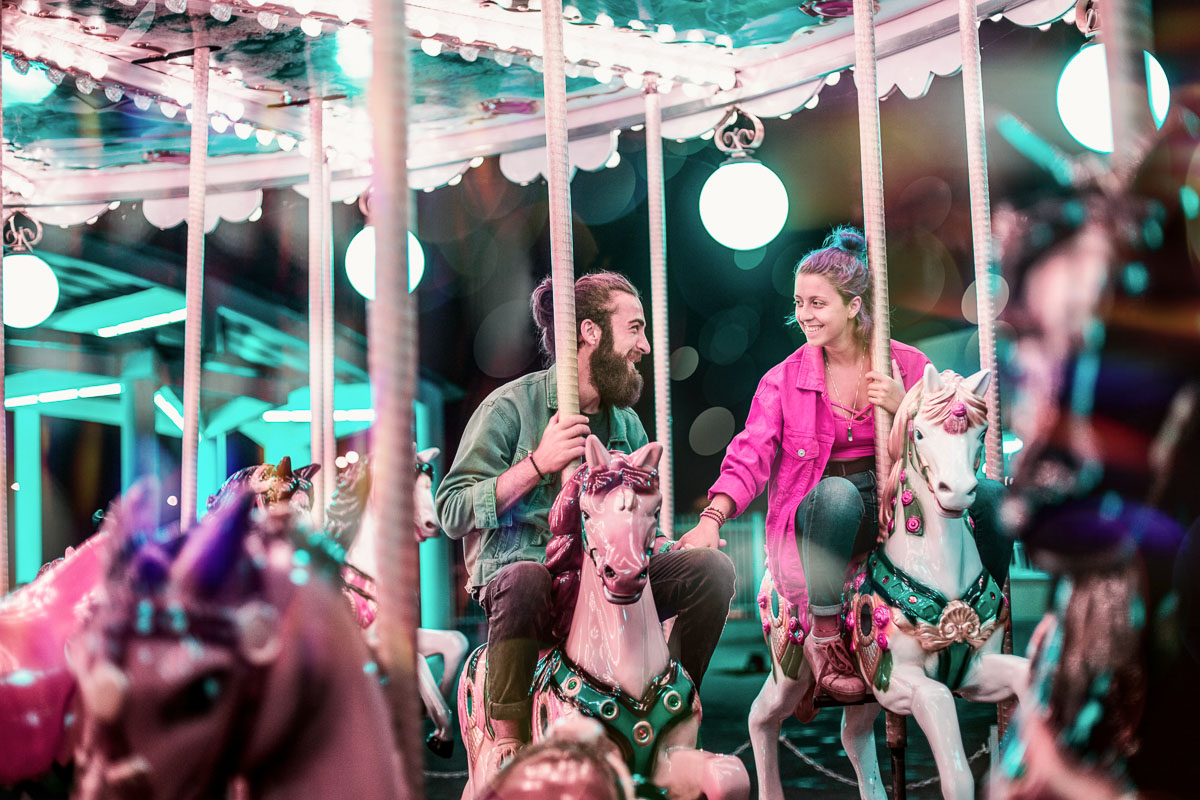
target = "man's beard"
x: 614, y: 377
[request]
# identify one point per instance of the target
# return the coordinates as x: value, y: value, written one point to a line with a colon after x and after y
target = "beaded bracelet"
x: 715, y: 514
x: 535, y: 467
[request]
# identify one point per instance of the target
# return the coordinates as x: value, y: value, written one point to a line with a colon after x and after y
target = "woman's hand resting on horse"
x: 705, y: 534
x: 562, y: 442
x: 884, y: 390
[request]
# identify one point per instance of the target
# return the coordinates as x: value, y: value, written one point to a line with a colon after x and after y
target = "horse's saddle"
x: 890, y: 599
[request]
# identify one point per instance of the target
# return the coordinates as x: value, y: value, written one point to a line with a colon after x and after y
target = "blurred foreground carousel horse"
x: 221, y: 654
x: 925, y: 619
x: 39, y: 711
x: 350, y: 522
x: 614, y: 665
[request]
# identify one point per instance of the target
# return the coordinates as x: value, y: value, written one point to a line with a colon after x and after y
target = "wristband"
x: 715, y: 515
x: 541, y: 475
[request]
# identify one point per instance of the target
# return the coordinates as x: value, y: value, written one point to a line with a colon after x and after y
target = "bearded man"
x: 496, y: 497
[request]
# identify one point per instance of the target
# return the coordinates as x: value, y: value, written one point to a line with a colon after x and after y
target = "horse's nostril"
x: 643, y: 574
x: 609, y: 572
x: 943, y: 487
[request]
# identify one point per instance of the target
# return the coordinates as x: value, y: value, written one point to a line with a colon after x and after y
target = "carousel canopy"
x: 97, y: 92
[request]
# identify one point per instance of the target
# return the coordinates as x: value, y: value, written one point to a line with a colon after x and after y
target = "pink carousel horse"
x: 614, y: 665
x: 350, y: 521
x: 221, y: 654
x: 38, y: 700
x: 925, y: 619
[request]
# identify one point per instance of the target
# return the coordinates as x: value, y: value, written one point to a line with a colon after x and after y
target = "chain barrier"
x: 786, y: 742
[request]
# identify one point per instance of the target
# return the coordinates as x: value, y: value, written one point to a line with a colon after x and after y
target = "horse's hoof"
x: 440, y: 747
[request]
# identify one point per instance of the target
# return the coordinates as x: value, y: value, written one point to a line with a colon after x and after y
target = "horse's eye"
x: 919, y: 435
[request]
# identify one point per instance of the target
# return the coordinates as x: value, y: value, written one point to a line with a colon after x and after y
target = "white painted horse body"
x: 615, y: 656
x: 450, y: 645
x: 935, y: 445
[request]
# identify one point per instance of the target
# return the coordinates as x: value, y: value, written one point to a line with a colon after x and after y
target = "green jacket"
x: 506, y: 428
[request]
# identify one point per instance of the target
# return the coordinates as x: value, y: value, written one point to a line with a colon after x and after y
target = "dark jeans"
x: 696, y: 585
x: 838, y: 520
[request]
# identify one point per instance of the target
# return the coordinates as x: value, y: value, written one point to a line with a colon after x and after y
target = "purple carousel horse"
x: 614, y: 665
x: 37, y: 691
x: 221, y: 655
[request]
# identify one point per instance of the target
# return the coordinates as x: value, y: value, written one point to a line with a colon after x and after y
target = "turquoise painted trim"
x: 27, y: 463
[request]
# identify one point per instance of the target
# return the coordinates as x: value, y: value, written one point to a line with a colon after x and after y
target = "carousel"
x: 263, y: 606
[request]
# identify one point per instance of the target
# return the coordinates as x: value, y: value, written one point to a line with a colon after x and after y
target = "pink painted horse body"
x: 615, y: 641
x: 37, y: 691
x: 38, y: 699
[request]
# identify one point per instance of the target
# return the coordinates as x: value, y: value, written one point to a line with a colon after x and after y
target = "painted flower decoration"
x: 798, y: 635
x: 793, y: 624
x: 882, y: 617
x: 881, y: 640
x: 763, y: 600
x: 858, y: 580
x: 907, y: 497
x: 850, y: 620
x: 913, y: 524
x: 766, y: 626
x: 903, y: 475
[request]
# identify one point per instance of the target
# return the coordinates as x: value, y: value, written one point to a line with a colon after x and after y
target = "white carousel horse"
x: 925, y: 619
x: 351, y: 519
x: 614, y: 665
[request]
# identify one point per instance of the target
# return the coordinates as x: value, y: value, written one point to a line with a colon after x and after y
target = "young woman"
x: 810, y: 440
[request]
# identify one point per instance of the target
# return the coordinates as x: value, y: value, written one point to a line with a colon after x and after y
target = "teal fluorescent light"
x: 60, y: 395
x: 1012, y: 445
x: 305, y: 415
x: 152, y: 321
x: 170, y: 410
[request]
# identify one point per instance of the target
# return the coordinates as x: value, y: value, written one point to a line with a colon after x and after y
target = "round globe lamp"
x: 360, y: 262
x: 743, y: 205
x: 1083, y: 98
x: 30, y: 290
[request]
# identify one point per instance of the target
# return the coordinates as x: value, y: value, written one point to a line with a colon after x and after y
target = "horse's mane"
x: 564, y: 551
x: 939, y: 410
x: 343, y: 517
x: 256, y: 479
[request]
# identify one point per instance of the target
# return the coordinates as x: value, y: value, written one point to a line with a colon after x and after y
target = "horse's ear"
x: 283, y: 470
x: 308, y: 471
x: 931, y: 381
x: 597, y: 456
x: 978, y: 383
x: 647, y: 456
x: 428, y: 455
x: 213, y: 548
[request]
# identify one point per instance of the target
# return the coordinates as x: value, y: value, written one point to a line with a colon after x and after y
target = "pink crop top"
x: 853, y: 440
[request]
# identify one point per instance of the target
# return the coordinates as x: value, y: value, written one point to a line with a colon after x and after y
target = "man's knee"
x: 524, y: 583
x: 713, y: 570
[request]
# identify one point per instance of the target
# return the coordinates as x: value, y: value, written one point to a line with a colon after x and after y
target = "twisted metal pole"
x: 981, y: 227
x: 328, y: 473
x: 871, y: 157
x: 197, y: 192
x: 392, y: 351
x: 558, y: 179
x: 316, y: 303
x: 656, y: 201
x: 1125, y: 28
x: 4, y: 537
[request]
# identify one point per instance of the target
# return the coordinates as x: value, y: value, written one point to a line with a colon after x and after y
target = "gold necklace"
x: 838, y: 397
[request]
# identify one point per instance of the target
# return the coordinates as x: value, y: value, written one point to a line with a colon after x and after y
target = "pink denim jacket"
x: 785, y: 447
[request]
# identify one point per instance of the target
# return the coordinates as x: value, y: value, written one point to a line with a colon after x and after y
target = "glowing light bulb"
x: 30, y: 290
x: 1083, y: 98
x: 360, y: 262
x: 743, y: 205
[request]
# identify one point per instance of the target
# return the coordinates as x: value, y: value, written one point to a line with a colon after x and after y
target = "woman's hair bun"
x: 848, y: 238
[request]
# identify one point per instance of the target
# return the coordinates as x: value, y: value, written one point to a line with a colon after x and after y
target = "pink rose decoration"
x: 913, y: 524
x: 850, y: 621
x: 903, y: 475
x: 858, y: 580
x: 881, y: 640
x: 959, y: 409
x: 793, y: 624
x: 763, y: 600
x: 907, y: 497
x: 882, y: 616
x: 766, y: 626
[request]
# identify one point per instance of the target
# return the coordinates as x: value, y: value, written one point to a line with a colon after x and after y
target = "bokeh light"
x: 684, y: 362
x: 743, y: 205
x: 30, y: 290
x: 970, y: 300
x: 1083, y: 99
x: 711, y: 431
x: 360, y: 262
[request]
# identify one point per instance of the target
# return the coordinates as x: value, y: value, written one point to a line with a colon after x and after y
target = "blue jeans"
x: 838, y: 519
